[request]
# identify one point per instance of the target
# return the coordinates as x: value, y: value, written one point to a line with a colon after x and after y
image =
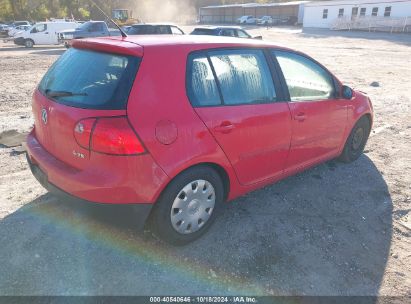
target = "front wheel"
x: 357, y: 140
x: 28, y: 43
x: 188, y: 206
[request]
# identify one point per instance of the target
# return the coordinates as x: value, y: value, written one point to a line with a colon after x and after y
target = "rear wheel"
x: 28, y: 43
x: 188, y: 206
x: 356, y: 142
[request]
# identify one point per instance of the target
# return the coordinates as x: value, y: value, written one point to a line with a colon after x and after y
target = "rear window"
x: 91, y: 80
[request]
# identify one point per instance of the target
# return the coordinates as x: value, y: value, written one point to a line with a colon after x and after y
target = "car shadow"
x: 326, y: 231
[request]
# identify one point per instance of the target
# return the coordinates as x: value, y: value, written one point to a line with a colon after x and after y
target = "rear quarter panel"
x: 159, y: 110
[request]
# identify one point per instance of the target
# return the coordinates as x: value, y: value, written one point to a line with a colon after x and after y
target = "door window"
x: 306, y: 80
x: 227, y: 32
x: 39, y: 28
x: 97, y: 27
x: 244, y: 76
x: 176, y: 31
x: 242, y: 34
x: 163, y: 30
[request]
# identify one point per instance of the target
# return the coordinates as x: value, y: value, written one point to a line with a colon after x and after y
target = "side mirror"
x: 258, y: 37
x: 347, y: 92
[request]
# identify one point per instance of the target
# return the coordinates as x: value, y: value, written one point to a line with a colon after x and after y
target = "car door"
x: 39, y: 34
x: 319, y: 117
x: 234, y: 94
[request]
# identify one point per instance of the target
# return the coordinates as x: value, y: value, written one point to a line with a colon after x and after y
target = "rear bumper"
x: 141, y: 211
x: 108, y: 180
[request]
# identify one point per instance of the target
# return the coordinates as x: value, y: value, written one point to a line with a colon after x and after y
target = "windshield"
x: 88, y: 79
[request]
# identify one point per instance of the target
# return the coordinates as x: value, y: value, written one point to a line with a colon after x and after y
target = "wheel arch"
x: 216, y: 167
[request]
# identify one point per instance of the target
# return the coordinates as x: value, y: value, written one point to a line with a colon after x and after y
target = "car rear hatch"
x: 81, y: 102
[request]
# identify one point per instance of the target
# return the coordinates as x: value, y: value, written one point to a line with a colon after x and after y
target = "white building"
x: 360, y: 14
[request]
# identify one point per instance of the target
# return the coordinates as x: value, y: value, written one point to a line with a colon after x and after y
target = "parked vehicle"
x: 265, y: 20
x: 88, y: 29
x: 154, y: 29
x: 18, y: 29
x: 18, y: 23
x: 4, y: 28
x: 229, y: 31
x: 117, y: 122
x: 43, y: 33
x: 247, y: 20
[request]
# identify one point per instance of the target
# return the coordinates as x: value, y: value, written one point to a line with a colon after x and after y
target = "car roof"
x: 135, y: 45
x: 154, y: 23
x: 218, y: 27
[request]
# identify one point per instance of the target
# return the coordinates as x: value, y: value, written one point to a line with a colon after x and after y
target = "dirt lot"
x: 336, y: 229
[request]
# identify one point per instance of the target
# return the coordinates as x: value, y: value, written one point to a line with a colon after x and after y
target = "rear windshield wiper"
x: 54, y: 94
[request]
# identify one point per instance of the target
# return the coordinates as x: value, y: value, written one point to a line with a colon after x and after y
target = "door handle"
x: 300, y: 116
x: 225, y: 127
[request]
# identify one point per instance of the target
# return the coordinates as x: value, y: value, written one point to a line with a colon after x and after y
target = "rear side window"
x: 244, y: 76
x: 202, y: 86
x: 92, y: 80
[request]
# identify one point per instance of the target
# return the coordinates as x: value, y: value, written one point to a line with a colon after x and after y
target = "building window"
x: 362, y: 11
x: 387, y: 11
x: 325, y: 14
x: 374, y: 11
x: 354, y: 12
x: 340, y: 12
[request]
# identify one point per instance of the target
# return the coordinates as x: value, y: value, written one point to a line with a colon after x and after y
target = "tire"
x: 28, y: 43
x: 356, y: 141
x: 179, y: 226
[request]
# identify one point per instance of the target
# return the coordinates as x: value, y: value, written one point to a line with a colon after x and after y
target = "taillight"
x: 82, y: 132
x: 108, y: 135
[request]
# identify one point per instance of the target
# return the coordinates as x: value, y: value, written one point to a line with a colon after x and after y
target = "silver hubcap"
x: 193, y: 206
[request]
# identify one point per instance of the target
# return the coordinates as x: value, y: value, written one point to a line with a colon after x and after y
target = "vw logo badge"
x: 44, y: 116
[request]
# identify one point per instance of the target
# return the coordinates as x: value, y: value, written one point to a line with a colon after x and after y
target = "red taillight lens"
x: 109, y: 135
x: 82, y: 132
x: 114, y: 135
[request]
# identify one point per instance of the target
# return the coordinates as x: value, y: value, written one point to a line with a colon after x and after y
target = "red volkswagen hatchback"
x: 177, y: 125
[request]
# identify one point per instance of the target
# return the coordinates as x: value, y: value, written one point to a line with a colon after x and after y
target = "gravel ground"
x: 336, y: 229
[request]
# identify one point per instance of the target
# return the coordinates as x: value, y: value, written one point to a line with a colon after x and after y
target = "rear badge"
x: 79, y: 128
x: 44, y: 116
x: 78, y: 154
